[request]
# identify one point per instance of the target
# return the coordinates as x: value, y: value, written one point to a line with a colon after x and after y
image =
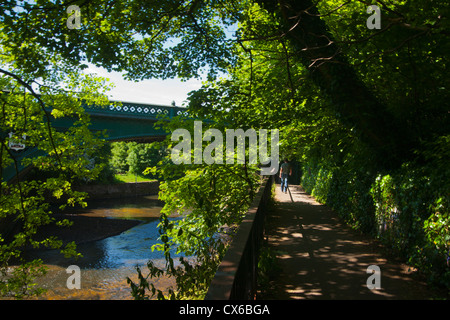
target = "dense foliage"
x: 69, y: 156
x: 364, y: 110
x: 209, y: 202
x: 403, y: 201
x: 135, y: 157
x: 37, y: 85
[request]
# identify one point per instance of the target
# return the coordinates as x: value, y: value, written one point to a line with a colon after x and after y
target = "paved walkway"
x: 321, y: 258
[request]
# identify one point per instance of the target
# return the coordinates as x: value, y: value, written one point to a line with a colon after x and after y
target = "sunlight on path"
x: 322, y: 258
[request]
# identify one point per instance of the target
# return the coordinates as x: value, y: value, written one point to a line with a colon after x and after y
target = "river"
x: 108, y: 262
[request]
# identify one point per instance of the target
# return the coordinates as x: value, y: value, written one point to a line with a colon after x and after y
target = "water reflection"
x: 106, y: 263
x: 141, y: 208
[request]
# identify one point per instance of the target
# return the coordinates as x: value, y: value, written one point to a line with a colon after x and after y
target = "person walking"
x: 285, y: 172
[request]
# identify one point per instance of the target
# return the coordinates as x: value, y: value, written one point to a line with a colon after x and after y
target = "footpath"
x: 320, y: 257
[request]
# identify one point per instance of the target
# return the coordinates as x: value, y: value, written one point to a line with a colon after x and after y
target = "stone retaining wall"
x: 120, y: 190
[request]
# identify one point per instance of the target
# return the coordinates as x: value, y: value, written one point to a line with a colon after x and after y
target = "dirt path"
x: 321, y: 258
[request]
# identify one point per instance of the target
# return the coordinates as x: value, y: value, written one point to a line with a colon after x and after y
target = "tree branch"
x: 42, y: 104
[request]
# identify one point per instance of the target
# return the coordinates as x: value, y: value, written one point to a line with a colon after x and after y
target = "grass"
x: 129, y: 178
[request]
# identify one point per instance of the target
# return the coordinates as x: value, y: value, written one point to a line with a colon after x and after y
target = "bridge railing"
x: 235, y: 279
x: 137, y: 109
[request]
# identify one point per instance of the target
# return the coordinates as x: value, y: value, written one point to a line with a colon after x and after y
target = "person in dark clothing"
x: 285, y: 172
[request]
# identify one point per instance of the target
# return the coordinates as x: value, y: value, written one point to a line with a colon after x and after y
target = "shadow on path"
x: 322, y: 258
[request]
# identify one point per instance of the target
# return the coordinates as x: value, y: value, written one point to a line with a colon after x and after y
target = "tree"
x: 142, y: 156
x: 119, y: 156
x: 319, y: 75
x: 35, y: 90
x: 135, y: 157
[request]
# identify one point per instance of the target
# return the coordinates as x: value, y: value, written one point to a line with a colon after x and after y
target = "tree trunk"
x: 352, y: 101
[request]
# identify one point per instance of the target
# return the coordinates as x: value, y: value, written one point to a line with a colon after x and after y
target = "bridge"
x: 125, y: 122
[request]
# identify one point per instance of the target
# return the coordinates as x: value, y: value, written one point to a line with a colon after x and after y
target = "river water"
x: 108, y: 262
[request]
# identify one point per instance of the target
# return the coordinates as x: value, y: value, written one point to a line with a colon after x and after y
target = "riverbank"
x: 113, y: 236
x: 85, y: 229
x: 120, y: 190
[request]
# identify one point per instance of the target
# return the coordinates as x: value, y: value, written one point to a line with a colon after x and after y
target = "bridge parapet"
x: 121, y: 120
x: 137, y: 110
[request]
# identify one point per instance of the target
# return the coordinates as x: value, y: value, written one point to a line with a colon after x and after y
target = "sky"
x: 153, y: 91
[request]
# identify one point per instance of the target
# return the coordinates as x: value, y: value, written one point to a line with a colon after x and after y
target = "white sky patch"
x: 153, y: 91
